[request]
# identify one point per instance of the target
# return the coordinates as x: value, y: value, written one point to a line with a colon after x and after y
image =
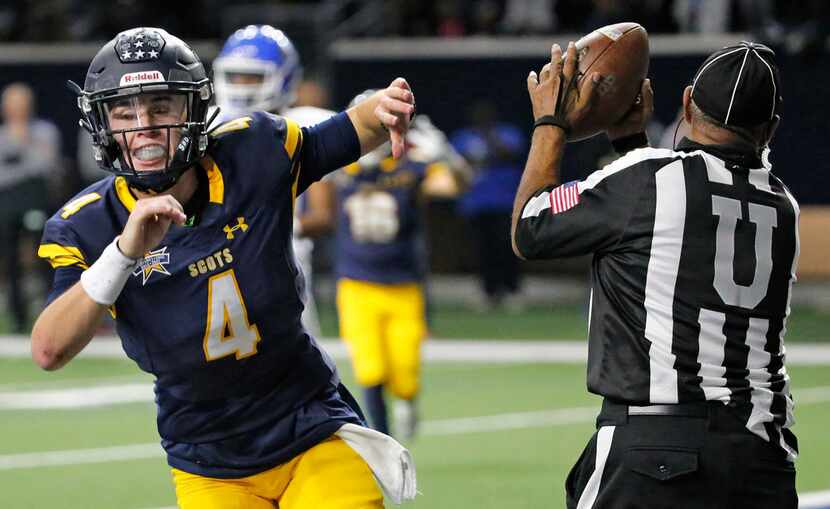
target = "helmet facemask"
x: 149, y: 134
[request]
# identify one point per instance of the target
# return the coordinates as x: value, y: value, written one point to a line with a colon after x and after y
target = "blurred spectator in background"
x: 496, y: 152
x: 312, y: 93
x: 797, y: 26
x: 703, y: 16
x: 807, y: 25
x: 485, y: 16
x: 529, y: 17
x: 450, y: 19
x: 88, y: 169
x: 29, y: 159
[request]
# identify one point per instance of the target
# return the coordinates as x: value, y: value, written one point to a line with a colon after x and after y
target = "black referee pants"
x: 705, y: 460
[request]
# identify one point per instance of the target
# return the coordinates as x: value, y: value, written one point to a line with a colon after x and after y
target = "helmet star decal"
x: 142, y: 46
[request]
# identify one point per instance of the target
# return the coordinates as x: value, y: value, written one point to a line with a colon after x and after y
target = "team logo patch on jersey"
x: 240, y: 225
x: 154, y: 261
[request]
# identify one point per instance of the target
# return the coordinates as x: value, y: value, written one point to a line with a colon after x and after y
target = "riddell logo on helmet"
x: 134, y: 78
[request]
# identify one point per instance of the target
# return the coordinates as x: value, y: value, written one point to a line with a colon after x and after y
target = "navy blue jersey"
x: 214, y: 311
x: 379, y: 231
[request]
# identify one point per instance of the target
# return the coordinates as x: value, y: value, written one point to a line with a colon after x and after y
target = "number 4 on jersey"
x: 228, y: 330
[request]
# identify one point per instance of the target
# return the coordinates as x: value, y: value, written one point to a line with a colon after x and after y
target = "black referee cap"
x: 739, y: 85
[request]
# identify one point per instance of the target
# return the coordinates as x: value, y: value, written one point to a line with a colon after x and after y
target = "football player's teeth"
x: 149, y: 153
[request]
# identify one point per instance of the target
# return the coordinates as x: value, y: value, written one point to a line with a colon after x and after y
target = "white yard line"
x: 500, y: 422
x: 80, y: 456
x: 814, y: 500
x: 443, y: 350
x: 436, y: 427
x: 77, y: 398
x: 98, y: 395
x: 64, y: 383
x: 439, y: 427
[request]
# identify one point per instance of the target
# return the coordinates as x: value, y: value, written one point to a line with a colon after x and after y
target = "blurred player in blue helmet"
x: 259, y: 69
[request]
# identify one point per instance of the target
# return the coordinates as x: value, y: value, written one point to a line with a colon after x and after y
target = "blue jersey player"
x: 188, y: 245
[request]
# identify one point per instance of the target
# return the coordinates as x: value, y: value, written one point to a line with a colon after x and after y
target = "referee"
x: 695, y: 253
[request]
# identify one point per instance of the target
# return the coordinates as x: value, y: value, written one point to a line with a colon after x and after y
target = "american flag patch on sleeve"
x: 564, y: 197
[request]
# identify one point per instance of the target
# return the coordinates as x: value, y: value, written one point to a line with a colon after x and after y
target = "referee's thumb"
x: 532, y: 81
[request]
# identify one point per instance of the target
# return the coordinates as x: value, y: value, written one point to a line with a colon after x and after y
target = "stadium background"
x: 505, y: 408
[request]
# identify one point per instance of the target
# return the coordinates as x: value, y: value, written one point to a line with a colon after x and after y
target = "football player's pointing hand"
x: 148, y: 224
x: 395, y: 110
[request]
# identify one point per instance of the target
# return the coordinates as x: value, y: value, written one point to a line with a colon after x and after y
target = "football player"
x: 188, y: 244
x: 381, y: 264
x: 259, y: 69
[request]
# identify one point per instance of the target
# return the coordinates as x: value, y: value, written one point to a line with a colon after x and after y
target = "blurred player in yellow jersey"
x: 381, y: 263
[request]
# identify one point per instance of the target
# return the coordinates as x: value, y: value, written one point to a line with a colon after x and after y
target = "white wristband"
x: 104, y: 279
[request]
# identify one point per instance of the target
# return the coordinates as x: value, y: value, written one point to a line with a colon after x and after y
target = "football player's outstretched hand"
x: 395, y: 110
x: 148, y: 223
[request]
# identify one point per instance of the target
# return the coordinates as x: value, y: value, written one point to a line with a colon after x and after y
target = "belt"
x: 684, y: 409
x: 720, y: 416
x: 618, y: 413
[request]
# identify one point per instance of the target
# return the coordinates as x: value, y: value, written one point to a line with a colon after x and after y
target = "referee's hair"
x: 742, y: 135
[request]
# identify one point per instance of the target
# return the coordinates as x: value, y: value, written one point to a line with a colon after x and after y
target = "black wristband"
x: 553, y: 120
x: 630, y: 142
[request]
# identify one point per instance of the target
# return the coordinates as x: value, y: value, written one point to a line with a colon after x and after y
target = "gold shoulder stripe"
x: 236, y: 124
x: 62, y: 256
x: 216, y: 182
x: 293, y: 140
x: 122, y: 189
x: 293, y: 137
x: 78, y: 203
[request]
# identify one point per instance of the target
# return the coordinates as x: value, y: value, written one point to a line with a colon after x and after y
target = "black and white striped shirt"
x: 695, y: 254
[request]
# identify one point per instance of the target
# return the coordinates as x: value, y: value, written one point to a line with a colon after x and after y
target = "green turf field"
x: 563, y: 321
x: 457, y: 468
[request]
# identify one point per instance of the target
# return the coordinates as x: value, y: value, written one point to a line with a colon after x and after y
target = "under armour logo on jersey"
x: 154, y: 261
x: 240, y: 225
x: 140, y: 46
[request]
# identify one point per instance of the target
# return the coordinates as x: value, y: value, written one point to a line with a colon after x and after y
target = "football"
x: 619, y: 53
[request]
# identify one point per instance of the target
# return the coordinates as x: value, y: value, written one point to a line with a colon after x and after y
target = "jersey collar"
x: 746, y: 158
x: 216, y: 186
